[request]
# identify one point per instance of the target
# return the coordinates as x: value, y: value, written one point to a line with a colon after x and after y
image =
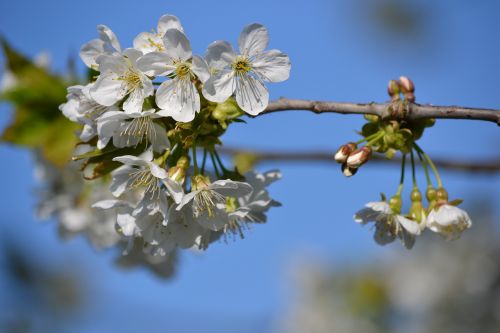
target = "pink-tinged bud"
x: 410, y: 97
x: 359, y: 157
x: 406, y: 84
x: 344, y: 151
x: 347, y: 171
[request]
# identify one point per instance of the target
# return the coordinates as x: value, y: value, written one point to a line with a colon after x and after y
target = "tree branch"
x: 490, y: 166
x: 410, y: 111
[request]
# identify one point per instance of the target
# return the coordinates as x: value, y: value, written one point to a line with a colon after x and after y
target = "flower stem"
x: 413, y: 176
x: 195, y: 162
x: 402, y: 179
x: 369, y: 137
x: 217, y: 157
x: 375, y: 139
x: 204, y: 161
x: 217, y: 173
x: 431, y: 164
x: 426, y: 169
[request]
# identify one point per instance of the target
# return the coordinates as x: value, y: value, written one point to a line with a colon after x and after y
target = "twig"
x: 413, y: 111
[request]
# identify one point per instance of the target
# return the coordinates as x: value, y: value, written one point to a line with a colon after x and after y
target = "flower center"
x: 132, y: 81
x: 144, y: 179
x: 139, y: 128
x: 183, y: 70
x: 155, y: 44
x: 242, y: 66
x: 206, y: 201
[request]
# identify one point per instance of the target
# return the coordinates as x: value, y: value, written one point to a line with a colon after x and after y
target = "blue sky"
x: 338, y: 52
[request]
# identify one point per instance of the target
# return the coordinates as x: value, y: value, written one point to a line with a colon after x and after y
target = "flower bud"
x: 359, y: 157
x: 347, y: 171
x: 344, y: 151
x: 406, y: 84
x: 410, y: 97
x: 393, y: 90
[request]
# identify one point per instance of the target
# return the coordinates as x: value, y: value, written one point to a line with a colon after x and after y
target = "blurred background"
x: 310, y: 268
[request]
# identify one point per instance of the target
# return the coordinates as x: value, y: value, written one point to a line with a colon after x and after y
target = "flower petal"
x: 168, y: 22
x: 200, y: 68
x: 273, y: 66
x: 253, y: 39
x: 107, y: 90
x: 108, y: 36
x: 156, y: 63
x: 251, y: 94
x: 220, y: 54
x: 90, y: 51
x: 177, y: 45
x: 220, y: 86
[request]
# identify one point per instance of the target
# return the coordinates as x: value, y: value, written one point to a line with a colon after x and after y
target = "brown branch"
x: 490, y: 166
x: 412, y: 111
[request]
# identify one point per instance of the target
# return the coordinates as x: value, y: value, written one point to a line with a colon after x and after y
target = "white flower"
x: 81, y: 108
x: 178, y: 98
x: 388, y: 225
x: 449, y: 221
x: 143, y: 175
x: 131, y: 129
x: 244, y: 74
x: 153, y: 41
x: 208, y: 200
x: 107, y: 43
x: 120, y: 78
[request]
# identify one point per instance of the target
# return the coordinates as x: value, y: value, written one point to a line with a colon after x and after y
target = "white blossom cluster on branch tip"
x: 152, y: 119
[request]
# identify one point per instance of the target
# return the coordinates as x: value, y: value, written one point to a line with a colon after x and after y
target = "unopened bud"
x: 359, y: 157
x: 393, y: 89
x: 344, y: 151
x: 410, y: 97
x: 406, y: 84
x: 347, y: 171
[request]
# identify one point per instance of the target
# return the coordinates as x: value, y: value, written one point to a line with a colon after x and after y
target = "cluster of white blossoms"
x: 152, y: 112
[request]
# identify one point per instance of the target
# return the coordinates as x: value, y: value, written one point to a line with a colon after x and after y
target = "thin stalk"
x: 375, y: 139
x: 217, y: 173
x: 195, y: 162
x: 402, y: 179
x: 204, y: 161
x: 426, y: 169
x: 369, y: 137
x: 431, y: 164
x: 217, y: 157
x: 413, y: 176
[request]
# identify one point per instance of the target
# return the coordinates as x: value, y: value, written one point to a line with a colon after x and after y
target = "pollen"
x: 242, y: 66
x: 131, y: 81
x: 143, y: 179
x: 183, y: 70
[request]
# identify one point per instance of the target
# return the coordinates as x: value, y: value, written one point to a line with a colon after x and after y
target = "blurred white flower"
x: 388, y: 224
x: 153, y: 41
x: 449, y: 221
x: 178, y: 97
x: 120, y: 78
x: 142, y: 175
x: 208, y: 200
x: 244, y: 74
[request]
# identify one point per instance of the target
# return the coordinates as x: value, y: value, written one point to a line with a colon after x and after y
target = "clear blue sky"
x: 338, y: 52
